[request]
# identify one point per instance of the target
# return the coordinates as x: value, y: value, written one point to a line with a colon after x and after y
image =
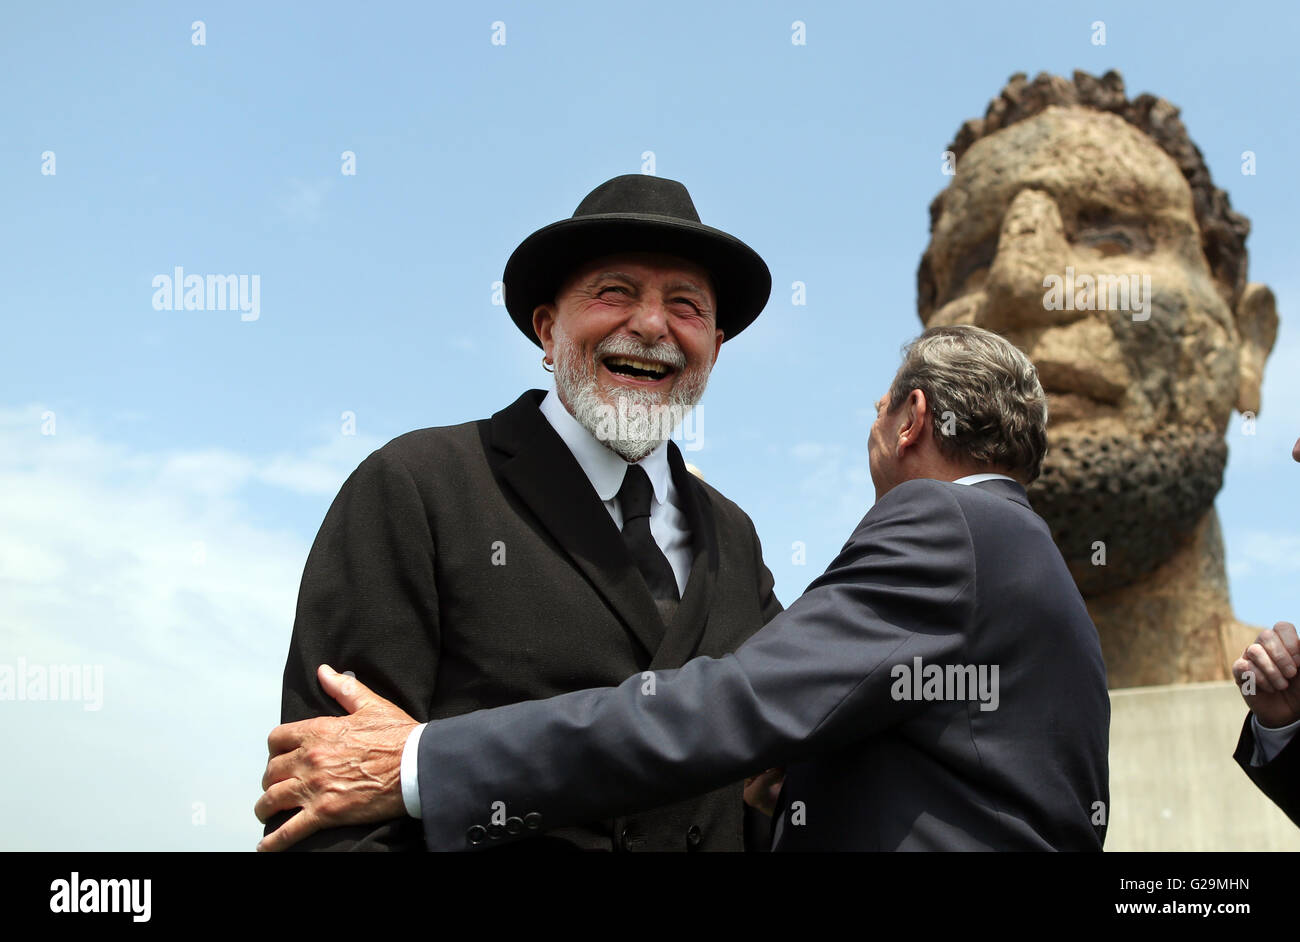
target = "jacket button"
x: 532, y: 820
x: 495, y: 831
x: 693, y: 836
x: 476, y: 834
x: 514, y: 825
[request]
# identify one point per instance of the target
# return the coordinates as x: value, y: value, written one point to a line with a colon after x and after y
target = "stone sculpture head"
x: 1067, y: 197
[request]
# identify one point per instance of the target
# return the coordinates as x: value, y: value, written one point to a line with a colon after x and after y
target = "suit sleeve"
x: 1279, y: 779
x: 817, y: 676
x: 367, y: 604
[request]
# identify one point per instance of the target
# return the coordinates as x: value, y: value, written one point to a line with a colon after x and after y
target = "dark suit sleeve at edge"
x: 1279, y: 779
x: 368, y: 604
x: 816, y: 677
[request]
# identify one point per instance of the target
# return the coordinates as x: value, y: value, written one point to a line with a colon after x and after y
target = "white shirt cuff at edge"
x: 1269, y: 742
x: 410, y: 775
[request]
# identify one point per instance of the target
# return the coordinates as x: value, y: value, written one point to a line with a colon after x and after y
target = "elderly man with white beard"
x: 559, y: 545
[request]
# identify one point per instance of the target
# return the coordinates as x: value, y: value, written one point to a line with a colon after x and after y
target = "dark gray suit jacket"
x: 1279, y: 779
x: 471, y: 566
x: 951, y: 574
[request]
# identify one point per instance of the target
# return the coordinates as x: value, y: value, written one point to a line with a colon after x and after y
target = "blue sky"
x: 161, y: 531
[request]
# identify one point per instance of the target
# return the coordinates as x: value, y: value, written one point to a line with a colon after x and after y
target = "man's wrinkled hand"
x: 1266, y: 676
x: 338, y: 769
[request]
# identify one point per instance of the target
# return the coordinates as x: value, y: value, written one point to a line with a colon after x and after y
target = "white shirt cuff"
x: 410, y: 774
x: 1269, y: 742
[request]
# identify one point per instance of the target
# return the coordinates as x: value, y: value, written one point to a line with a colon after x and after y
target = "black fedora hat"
x: 636, y: 213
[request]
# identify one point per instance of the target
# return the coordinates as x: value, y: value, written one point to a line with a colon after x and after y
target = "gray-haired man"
x: 940, y: 686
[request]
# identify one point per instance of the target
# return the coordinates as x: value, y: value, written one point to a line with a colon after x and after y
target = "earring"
x: 546, y: 365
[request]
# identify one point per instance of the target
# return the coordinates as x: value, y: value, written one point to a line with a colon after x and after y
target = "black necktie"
x: 634, y: 500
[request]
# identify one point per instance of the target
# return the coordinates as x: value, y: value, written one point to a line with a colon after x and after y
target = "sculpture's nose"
x: 1031, y: 246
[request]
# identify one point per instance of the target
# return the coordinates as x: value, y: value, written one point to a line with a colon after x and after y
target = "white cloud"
x: 153, y: 566
x: 1279, y: 552
x: 305, y: 200
x: 808, y: 451
x: 837, y: 479
x: 321, y: 470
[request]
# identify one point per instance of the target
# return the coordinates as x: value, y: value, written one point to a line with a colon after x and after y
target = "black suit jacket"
x: 1279, y: 779
x: 472, y: 566
x: 956, y: 576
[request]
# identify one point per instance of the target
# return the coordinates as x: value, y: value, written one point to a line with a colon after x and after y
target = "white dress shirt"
x: 605, y: 470
x: 984, y: 476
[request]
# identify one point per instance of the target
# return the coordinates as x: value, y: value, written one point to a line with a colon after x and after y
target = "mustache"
x: 665, y: 353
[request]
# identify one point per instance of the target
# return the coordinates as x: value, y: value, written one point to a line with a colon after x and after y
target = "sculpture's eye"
x: 972, y: 266
x: 1106, y: 233
x: 1107, y: 241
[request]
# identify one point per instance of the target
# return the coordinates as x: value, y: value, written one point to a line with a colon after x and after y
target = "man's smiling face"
x: 631, y: 329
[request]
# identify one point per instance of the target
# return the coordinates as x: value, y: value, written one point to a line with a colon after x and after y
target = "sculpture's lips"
x: 1081, y: 359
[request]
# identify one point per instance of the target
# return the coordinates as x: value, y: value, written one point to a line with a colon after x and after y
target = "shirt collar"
x: 603, y: 467
x: 986, y: 476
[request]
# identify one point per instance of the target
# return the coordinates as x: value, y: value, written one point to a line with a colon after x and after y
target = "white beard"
x: 636, y: 421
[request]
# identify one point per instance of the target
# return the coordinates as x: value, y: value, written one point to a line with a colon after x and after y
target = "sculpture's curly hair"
x: 1223, y: 231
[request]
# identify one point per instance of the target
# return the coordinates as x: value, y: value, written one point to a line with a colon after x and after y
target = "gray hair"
x: 984, y: 397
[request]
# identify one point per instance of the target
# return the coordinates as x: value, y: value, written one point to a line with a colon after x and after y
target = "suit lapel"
x: 540, y: 468
x: 684, y: 634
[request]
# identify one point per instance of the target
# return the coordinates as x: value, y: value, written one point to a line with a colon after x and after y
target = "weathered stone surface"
x: 1121, y: 505
x: 1084, y: 227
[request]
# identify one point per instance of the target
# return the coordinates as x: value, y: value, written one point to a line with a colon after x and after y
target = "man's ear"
x: 916, y: 412
x: 1256, y: 316
x: 718, y: 337
x: 544, y: 326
